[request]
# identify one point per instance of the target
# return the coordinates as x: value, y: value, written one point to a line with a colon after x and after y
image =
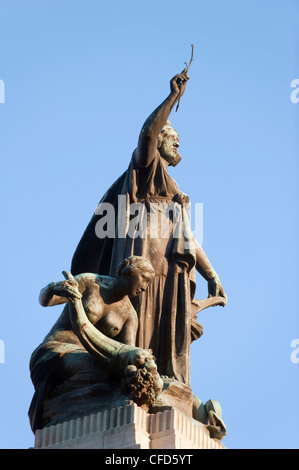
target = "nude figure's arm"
x: 148, y: 138
x: 61, y: 292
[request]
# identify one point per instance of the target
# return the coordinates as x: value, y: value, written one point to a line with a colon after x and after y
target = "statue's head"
x: 168, y: 144
x: 137, y: 273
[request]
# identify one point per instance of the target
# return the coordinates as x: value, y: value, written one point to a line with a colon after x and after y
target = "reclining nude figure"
x: 89, y: 358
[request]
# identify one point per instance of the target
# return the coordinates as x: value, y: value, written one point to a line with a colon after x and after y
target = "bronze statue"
x: 165, y: 310
x: 88, y: 360
x: 130, y: 315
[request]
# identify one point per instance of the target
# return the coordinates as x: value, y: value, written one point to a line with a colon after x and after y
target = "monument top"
x: 130, y: 314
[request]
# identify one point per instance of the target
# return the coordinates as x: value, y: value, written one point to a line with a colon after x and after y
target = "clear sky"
x: 80, y: 77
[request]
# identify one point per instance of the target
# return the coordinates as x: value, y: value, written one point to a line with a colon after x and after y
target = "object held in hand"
x: 185, y: 71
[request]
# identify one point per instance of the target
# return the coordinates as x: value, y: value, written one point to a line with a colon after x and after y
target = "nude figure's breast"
x: 111, y: 323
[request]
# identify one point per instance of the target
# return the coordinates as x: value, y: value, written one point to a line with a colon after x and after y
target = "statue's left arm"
x: 204, y: 267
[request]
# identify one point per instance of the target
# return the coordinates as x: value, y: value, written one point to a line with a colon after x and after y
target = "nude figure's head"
x: 137, y: 273
x: 168, y: 144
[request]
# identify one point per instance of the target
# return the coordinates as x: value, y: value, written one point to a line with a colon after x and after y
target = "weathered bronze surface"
x: 88, y: 360
x: 128, y: 323
x: 165, y: 309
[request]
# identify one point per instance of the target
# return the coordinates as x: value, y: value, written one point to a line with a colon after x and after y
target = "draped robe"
x: 160, y: 232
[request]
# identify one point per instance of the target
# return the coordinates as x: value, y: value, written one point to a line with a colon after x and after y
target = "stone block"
x: 128, y: 427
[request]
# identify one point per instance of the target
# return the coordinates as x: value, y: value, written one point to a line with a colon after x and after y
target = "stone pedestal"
x: 128, y: 427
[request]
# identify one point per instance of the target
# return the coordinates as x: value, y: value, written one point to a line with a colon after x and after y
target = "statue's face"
x: 170, y: 144
x: 137, y: 281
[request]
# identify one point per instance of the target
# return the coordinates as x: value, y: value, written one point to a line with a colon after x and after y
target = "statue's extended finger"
x: 67, y: 275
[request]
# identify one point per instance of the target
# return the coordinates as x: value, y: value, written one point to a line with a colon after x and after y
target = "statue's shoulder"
x: 103, y: 280
x: 93, y: 278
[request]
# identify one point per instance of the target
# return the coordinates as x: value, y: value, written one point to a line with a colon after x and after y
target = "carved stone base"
x: 176, y: 395
x: 128, y: 427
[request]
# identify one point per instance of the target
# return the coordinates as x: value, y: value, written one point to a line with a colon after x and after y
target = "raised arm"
x: 148, y: 138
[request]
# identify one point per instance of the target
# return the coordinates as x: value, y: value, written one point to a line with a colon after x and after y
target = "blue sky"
x: 80, y: 79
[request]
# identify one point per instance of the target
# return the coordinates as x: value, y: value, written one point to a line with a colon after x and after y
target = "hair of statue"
x: 132, y: 263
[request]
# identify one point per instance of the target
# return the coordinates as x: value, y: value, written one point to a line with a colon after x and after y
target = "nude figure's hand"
x: 68, y: 289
